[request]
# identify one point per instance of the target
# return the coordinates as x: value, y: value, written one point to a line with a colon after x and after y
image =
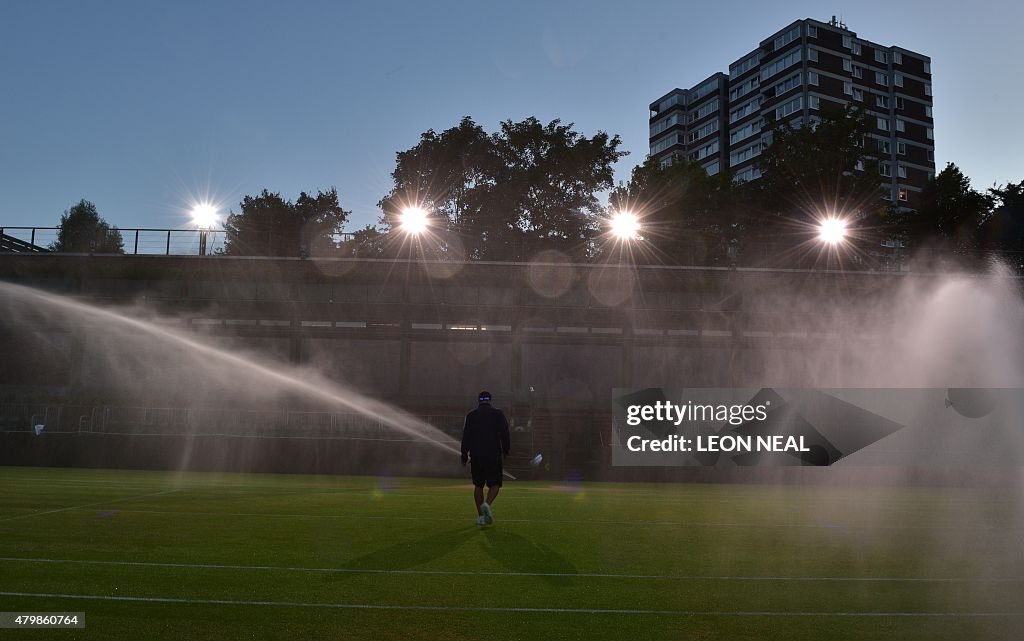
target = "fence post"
x: 136, y: 250
x: 167, y: 252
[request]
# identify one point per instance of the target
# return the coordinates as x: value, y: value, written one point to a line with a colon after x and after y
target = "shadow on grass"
x: 520, y: 554
x: 409, y: 554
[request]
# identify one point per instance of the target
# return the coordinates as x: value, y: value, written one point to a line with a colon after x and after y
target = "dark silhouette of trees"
x: 506, y: 195
x: 269, y: 225
x: 1003, y: 230
x: 368, y: 242
x: 823, y: 169
x: 949, y: 214
x: 686, y: 216
x: 82, y: 230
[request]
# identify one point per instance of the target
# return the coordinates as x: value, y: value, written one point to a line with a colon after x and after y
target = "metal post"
x: 136, y: 250
x: 167, y: 252
x: 33, y: 241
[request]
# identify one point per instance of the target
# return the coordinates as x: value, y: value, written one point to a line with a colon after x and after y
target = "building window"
x: 790, y: 107
x: 856, y: 48
x: 745, y: 154
x: 901, y: 125
x: 901, y: 148
x: 745, y: 131
x: 812, y: 54
x: 928, y: 89
x: 785, y: 85
x: 812, y: 78
x: 848, y: 88
x: 883, y: 168
x: 881, y: 56
x: 901, y: 171
x: 782, y: 63
x: 745, y: 110
x: 883, y: 124
x: 883, y: 146
x: 707, y: 108
x: 741, y: 68
x: 858, y: 72
x: 881, y: 78
x: 812, y: 31
x: 750, y: 173
x: 931, y: 155
x: 813, y: 102
x: 858, y: 94
x: 928, y: 111
x: 897, y: 57
x: 787, y: 37
x: 899, y: 102
x: 927, y: 67
x: 882, y: 101
x: 712, y: 169
x: 859, y: 166
x: 897, y: 79
x: 903, y: 194
x: 847, y: 64
x: 664, y: 144
x: 930, y: 133
x: 847, y: 41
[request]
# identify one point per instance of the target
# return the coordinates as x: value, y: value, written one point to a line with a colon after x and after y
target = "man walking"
x: 485, y: 440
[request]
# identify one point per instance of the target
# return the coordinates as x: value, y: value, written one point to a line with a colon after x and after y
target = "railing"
x: 748, y: 254
x: 160, y: 242
x: 150, y: 241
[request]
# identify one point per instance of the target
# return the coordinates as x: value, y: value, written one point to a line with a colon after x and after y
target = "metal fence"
x: 885, y: 256
x: 159, y: 242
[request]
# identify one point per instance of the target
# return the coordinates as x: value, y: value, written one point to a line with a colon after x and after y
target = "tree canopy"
x: 509, y: 194
x: 820, y: 168
x: 686, y: 215
x: 269, y: 225
x: 949, y: 214
x: 82, y: 230
x: 1003, y: 230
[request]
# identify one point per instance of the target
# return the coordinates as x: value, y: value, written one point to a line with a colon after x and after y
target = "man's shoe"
x: 488, y: 515
x: 480, y: 521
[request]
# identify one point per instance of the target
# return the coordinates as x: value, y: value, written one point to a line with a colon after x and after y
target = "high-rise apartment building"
x: 724, y: 122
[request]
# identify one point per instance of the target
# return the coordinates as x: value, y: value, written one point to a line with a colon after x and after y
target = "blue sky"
x: 143, y: 106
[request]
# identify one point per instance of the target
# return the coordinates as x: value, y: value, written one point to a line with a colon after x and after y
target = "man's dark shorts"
x: 486, y: 471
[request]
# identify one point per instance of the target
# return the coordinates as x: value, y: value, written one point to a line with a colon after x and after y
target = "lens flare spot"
x: 832, y: 230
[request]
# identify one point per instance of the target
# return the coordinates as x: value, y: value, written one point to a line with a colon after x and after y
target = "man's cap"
x: 484, y: 397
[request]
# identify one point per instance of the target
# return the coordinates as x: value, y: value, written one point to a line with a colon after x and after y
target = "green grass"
x: 683, y: 561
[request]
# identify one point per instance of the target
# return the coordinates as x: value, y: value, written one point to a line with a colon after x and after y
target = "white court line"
x: 602, y: 494
x: 81, y: 507
x: 770, y: 494
x: 588, y: 575
x: 457, y: 608
x: 681, y: 524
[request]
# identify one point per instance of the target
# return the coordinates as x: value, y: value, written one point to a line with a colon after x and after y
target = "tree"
x: 368, y: 242
x: 82, y: 230
x: 949, y: 214
x: 1004, y: 229
x: 510, y: 194
x: 687, y: 216
x: 446, y: 175
x: 823, y: 168
x: 269, y: 225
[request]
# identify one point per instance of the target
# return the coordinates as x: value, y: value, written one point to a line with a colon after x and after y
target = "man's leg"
x: 478, y: 496
x: 492, y: 493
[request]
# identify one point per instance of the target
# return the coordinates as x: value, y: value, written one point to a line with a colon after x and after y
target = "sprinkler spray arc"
x: 323, y: 390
